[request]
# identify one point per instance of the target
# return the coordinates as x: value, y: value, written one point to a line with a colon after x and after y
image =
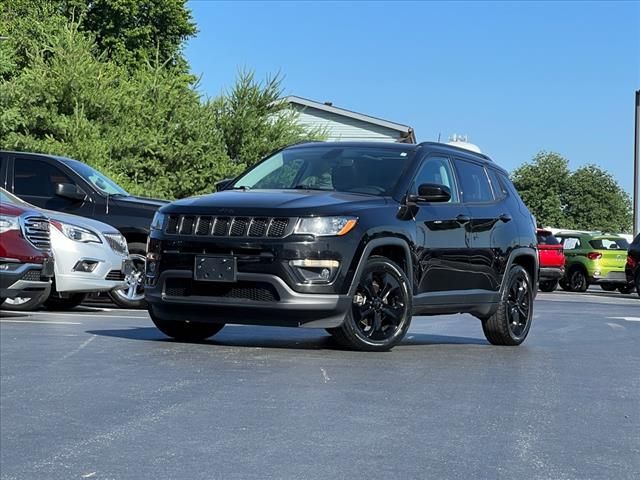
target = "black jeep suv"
x: 351, y: 237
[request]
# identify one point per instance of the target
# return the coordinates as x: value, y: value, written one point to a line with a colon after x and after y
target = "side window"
x: 474, y: 182
x: 571, y: 243
x: 37, y: 178
x: 499, y: 190
x: 436, y: 170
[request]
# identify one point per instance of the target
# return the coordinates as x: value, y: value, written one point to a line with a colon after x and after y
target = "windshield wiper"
x: 311, y: 187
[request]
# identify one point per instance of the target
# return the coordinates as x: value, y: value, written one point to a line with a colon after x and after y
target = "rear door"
x: 34, y: 179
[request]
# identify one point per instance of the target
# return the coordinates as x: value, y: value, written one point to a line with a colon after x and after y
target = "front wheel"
x: 132, y: 296
x: 548, y: 285
x: 510, y: 324
x: 626, y: 289
x: 380, y: 312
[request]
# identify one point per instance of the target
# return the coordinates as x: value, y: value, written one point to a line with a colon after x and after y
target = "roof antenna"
x: 438, y: 137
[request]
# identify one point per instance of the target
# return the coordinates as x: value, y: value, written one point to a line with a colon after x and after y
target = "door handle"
x: 505, y: 217
x: 462, y: 219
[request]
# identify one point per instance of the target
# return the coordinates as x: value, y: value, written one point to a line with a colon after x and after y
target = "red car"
x: 26, y: 265
x: 551, y: 255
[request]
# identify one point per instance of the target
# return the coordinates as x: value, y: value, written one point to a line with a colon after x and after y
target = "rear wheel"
x: 548, y: 285
x: 380, y: 312
x: 186, y: 331
x: 564, y: 284
x: 511, y: 323
x: 132, y: 296
x: 61, y: 301
x: 608, y: 287
x: 638, y: 282
x: 578, y: 280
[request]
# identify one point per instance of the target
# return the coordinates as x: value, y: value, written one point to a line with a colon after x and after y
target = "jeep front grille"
x: 222, y: 226
x: 36, y: 231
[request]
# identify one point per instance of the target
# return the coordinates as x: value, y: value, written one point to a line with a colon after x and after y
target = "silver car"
x: 89, y: 256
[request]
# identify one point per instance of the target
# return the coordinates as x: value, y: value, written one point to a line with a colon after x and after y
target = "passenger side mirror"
x: 70, y: 191
x: 431, y: 192
x: 223, y: 184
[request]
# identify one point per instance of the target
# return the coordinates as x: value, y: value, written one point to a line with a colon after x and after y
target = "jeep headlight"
x: 158, y: 221
x: 79, y: 234
x: 326, y: 226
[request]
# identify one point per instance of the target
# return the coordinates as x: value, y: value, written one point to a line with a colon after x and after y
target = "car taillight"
x: 594, y: 255
x: 632, y: 262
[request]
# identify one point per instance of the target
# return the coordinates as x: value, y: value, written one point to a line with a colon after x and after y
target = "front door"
x: 442, y: 237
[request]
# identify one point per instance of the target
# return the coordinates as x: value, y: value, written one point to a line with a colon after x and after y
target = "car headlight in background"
x: 8, y: 222
x: 326, y: 226
x: 79, y: 234
x: 158, y: 221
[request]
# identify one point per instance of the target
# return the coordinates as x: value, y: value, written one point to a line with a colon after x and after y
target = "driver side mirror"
x: 432, y: 192
x: 70, y: 191
x: 223, y: 184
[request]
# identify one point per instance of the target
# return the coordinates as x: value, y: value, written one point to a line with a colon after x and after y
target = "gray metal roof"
x: 407, y: 131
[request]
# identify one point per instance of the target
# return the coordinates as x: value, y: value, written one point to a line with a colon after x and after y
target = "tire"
x: 511, y: 322
x: 608, y: 287
x: 626, y: 289
x: 25, y: 304
x: 548, y: 285
x: 57, y: 301
x: 186, y: 331
x: 638, y: 282
x: 577, y: 280
x: 564, y: 284
x: 132, y: 296
x: 377, y: 321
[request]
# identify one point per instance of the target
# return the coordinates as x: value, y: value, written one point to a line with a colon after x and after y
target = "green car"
x: 594, y: 257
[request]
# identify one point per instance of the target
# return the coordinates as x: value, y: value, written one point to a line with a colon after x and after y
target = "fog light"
x: 86, y: 266
x: 315, y: 271
x: 596, y: 273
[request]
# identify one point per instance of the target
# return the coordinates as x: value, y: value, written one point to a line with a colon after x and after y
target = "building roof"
x: 405, y: 130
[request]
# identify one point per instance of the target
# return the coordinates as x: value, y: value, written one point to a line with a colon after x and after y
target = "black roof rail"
x: 486, y: 157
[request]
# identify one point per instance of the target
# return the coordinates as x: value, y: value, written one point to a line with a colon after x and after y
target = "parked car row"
x: 115, y: 224
x: 575, y: 260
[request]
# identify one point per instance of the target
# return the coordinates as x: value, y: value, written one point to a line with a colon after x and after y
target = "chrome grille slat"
x: 36, y: 231
x: 229, y: 226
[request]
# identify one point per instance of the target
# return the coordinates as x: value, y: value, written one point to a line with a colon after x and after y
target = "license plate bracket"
x: 48, y: 267
x: 218, y: 268
x: 127, y: 267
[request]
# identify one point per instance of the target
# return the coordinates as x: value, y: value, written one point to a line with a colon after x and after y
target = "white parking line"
x: 81, y: 314
x: 40, y: 321
x: 628, y: 319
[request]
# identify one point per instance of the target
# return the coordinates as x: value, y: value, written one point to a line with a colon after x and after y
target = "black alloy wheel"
x: 548, y: 285
x: 511, y: 322
x: 380, y: 312
x: 578, y: 281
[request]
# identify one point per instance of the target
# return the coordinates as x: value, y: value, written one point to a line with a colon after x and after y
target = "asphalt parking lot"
x: 100, y: 393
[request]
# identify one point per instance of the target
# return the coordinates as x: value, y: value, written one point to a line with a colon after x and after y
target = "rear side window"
x: 547, y: 238
x: 474, y: 182
x: 499, y: 190
x: 37, y: 178
x: 609, y: 244
x: 571, y: 243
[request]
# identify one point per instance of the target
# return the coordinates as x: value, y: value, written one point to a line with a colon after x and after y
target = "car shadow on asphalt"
x: 272, y: 337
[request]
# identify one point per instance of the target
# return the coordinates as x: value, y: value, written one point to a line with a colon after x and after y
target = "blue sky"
x: 517, y: 78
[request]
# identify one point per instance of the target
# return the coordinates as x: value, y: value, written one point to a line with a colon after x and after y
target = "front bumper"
x: 24, y: 280
x: 255, y: 299
x: 107, y: 274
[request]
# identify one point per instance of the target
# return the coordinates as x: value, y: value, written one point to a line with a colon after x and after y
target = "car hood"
x: 79, y: 221
x: 275, y: 203
x: 151, y: 203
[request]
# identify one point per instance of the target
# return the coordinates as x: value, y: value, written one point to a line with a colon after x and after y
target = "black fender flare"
x: 382, y: 242
x: 523, y: 252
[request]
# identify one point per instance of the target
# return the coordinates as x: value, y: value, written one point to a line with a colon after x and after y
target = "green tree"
x: 588, y: 198
x: 541, y: 185
x: 594, y: 200
x: 254, y: 121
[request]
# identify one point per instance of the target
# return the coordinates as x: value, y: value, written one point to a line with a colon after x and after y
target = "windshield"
x: 366, y: 170
x: 98, y: 180
x: 6, y: 197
